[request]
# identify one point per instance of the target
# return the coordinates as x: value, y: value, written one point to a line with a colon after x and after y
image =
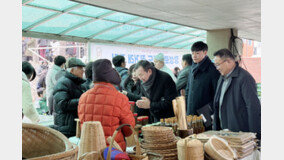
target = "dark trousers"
x: 50, y: 104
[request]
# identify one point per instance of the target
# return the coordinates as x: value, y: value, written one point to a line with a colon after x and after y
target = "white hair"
x: 69, y: 69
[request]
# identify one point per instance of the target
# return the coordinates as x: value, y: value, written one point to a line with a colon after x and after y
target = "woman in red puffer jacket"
x: 105, y: 104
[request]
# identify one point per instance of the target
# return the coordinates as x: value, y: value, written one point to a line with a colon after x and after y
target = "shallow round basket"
x: 41, y: 143
x: 171, y: 145
x: 156, y: 129
x: 163, y: 151
x: 160, y: 140
x: 218, y: 148
x: 154, y: 156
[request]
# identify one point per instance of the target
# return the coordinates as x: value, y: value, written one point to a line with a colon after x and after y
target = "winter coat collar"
x: 105, y: 84
x: 75, y: 79
x: 235, y: 72
x: 56, y: 67
x: 203, y: 65
x: 119, y: 69
x: 185, y: 68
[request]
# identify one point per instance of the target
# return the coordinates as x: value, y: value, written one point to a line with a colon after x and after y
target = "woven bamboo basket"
x: 92, y: 138
x: 190, y: 149
x: 160, y: 141
x: 163, y: 151
x: 156, y: 129
x: 158, y: 135
x: 137, y: 156
x: 165, y: 138
x: 154, y: 156
x: 94, y: 155
x: 217, y: 148
x: 41, y: 143
x: 153, y: 146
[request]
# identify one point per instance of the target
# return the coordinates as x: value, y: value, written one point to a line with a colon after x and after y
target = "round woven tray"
x: 171, y: 158
x: 163, y: 151
x: 157, y: 129
x: 161, y: 140
x: 171, y: 145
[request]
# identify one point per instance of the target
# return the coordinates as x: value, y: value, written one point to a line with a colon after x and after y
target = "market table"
x: 254, y: 156
x: 47, y: 120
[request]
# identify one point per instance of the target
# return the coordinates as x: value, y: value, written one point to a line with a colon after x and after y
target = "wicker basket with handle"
x: 41, y: 143
x: 137, y: 156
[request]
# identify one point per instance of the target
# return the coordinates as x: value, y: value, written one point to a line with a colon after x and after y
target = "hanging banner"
x: 133, y: 54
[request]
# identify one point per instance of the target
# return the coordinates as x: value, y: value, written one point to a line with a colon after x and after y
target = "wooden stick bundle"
x: 179, y: 110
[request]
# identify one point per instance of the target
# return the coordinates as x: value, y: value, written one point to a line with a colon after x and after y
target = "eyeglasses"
x: 217, y: 65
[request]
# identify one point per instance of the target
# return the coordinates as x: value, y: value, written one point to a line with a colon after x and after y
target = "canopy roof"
x: 66, y: 20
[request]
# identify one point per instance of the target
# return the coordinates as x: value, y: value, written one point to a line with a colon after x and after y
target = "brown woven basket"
x: 137, y: 156
x: 190, y: 149
x: 218, y: 148
x: 41, y: 143
x: 158, y: 130
x: 163, y: 151
x: 160, y: 141
x: 152, y: 146
x: 92, y: 138
x: 154, y: 156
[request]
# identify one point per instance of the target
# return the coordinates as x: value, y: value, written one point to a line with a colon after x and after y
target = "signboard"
x: 133, y: 54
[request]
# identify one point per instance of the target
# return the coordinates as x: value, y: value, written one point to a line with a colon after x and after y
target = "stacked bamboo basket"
x: 243, y: 143
x: 160, y: 140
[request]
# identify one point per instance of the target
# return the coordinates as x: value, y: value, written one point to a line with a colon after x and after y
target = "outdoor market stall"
x: 180, y: 137
x: 161, y: 140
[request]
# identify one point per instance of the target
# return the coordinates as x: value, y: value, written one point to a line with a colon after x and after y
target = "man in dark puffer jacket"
x: 66, y: 95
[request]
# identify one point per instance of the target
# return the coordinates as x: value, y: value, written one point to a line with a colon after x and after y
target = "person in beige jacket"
x: 28, y: 109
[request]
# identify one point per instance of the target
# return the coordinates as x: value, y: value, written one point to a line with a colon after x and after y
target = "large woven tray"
x: 164, y: 151
x: 158, y: 129
x: 235, y: 138
x: 171, y: 145
x: 160, y: 140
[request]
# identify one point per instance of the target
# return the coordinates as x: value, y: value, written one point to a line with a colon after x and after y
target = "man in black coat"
x: 133, y: 90
x: 236, y: 104
x: 202, y: 80
x: 66, y: 96
x: 159, y: 90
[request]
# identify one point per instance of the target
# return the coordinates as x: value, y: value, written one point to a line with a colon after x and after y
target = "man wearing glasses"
x: 66, y: 94
x: 236, y: 105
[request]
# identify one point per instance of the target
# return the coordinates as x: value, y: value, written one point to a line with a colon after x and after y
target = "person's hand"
x: 144, y: 103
